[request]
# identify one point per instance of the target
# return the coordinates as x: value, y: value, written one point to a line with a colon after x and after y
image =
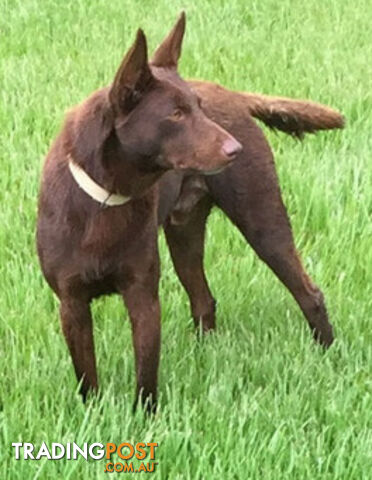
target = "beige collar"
x: 90, y: 187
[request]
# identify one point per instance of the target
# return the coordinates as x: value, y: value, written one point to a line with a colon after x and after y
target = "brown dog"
x: 249, y: 193
x: 97, y: 222
x: 99, y: 209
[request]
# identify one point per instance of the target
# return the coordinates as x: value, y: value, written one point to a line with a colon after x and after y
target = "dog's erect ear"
x: 133, y: 77
x: 90, y: 126
x: 169, y: 51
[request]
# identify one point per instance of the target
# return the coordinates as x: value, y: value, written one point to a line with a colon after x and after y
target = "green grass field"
x: 257, y: 400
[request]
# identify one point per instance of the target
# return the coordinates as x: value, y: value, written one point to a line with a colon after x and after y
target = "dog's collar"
x: 91, y: 188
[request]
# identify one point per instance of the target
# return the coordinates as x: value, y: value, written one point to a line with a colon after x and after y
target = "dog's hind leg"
x: 249, y: 194
x: 186, y: 245
x: 78, y: 331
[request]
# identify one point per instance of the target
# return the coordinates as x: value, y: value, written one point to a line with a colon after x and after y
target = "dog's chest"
x: 115, y: 241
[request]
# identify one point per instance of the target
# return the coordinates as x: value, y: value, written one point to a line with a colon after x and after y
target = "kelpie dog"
x: 97, y: 223
x: 99, y: 207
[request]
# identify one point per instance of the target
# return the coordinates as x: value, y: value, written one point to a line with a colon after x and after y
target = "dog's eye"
x: 177, y: 115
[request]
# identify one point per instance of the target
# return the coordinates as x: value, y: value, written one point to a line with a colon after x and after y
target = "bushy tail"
x: 295, y: 117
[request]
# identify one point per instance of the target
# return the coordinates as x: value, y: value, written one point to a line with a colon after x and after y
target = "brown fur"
x: 144, y: 134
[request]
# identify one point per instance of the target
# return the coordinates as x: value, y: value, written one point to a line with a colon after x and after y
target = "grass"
x: 258, y: 399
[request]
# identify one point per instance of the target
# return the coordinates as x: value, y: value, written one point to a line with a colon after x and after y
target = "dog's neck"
x: 108, y: 174
x: 93, y: 189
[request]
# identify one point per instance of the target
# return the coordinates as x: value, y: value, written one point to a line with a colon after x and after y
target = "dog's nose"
x: 231, y: 148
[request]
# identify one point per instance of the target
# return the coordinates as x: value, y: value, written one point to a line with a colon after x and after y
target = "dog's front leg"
x: 142, y: 301
x: 78, y: 331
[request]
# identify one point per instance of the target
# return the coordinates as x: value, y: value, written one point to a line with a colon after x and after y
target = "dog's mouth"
x: 184, y: 167
x: 197, y: 171
x: 214, y: 171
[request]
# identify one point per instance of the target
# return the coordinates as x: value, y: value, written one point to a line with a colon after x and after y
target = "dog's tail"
x: 294, y: 117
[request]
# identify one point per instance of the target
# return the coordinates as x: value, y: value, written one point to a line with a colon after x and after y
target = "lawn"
x: 257, y: 400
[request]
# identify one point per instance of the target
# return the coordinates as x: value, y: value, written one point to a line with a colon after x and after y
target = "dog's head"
x: 158, y: 119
